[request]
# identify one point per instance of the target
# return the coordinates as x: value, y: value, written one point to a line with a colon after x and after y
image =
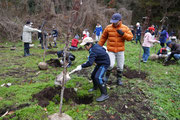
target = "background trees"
x: 15, y: 13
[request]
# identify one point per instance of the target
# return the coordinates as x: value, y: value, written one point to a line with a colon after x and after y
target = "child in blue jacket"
x: 98, y: 55
x: 98, y: 31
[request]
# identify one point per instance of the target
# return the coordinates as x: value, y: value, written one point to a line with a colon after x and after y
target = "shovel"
x: 59, y: 78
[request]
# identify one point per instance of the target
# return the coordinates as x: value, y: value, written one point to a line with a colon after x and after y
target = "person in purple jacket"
x: 163, y: 36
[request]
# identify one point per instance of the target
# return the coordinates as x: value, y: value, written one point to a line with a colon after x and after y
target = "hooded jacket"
x: 175, y: 49
x: 98, y: 30
x: 115, y: 41
x: 148, y: 40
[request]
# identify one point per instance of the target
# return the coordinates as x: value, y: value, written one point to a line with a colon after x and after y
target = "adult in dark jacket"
x: 163, y: 36
x: 55, y: 35
x: 175, y: 50
x: 40, y: 38
x: 98, y: 55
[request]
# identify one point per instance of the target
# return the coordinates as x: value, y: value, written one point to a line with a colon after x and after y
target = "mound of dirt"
x: 54, y: 63
x: 133, y: 102
x: 13, y: 108
x: 51, y: 52
x: 134, y: 74
x: 48, y: 94
x: 128, y: 73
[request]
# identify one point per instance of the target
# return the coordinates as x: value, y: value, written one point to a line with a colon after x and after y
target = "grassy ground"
x: 161, y: 89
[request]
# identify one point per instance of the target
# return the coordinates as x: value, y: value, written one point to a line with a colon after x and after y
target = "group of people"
x: 44, y: 38
x: 115, y: 35
x: 171, y: 44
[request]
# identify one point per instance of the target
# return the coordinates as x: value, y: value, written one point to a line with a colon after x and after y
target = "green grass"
x: 162, y: 86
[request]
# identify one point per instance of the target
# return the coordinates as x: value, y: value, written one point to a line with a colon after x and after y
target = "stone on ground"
x: 43, y: 66
x: 56, y: 116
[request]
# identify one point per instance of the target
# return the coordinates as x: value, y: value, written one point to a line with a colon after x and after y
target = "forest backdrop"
x: 83, y: 14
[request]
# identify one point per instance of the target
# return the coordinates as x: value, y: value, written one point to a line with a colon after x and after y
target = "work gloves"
x: 39, y: 31
x: 78, y: 68
x: 120, y: 32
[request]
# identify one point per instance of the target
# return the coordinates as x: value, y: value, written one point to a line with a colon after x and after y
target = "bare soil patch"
x: 48, y: 94
x: 51, y: 52
x: 13, y: 108
x: 132, y: 103
x: 129, y: 73
x: 18, y: 73
x: 54, y: 63
x: 171, y: 62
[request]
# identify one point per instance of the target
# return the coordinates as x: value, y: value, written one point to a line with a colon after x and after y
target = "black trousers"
x: 26, y: 49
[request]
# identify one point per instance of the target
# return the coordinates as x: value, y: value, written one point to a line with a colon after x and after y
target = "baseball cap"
x: 168, y: 42
x: 115, y: 18
x: 87, y: 40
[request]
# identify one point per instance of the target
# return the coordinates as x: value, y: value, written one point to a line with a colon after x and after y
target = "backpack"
x: 163, y: 51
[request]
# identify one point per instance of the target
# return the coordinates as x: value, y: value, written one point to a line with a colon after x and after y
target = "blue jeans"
x: 73, y: 48
x: 177, y: 56
x: 146, y: 53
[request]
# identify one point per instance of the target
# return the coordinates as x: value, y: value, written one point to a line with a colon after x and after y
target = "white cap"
x: 137, y: 24
x: 87, y: 40
x: 173, y: 38
x: 84, y: 32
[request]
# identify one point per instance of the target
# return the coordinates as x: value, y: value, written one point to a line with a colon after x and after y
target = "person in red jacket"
x: 74, y: 43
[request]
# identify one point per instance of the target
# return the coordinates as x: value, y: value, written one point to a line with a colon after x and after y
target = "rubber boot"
x: 94, y: 87
x: 107, y: 74
x: 104, y: 94
x: 119, y: 78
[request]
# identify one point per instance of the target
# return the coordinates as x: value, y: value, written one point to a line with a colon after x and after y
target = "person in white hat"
x: 138, y: 33
x: 98, y: 55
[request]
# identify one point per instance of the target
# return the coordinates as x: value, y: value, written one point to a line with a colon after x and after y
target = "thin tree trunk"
x: 65, y: 69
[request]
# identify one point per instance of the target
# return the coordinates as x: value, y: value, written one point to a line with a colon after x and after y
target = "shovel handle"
x: 72, y: 71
